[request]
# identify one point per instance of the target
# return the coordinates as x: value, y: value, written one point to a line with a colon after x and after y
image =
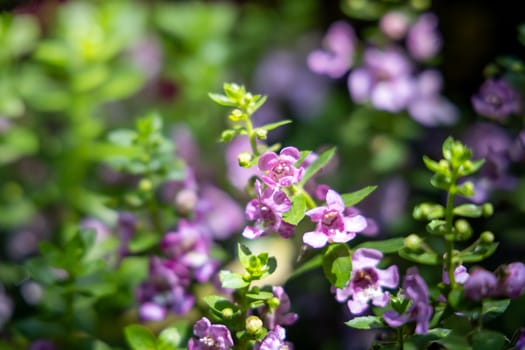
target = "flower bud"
x: 487, y: 209
x: 512, y: 283
x: 273, y: 303
x: 245, y: 159
x: 412, y: 242
x: 227, y: 135
x: 487, y: 237
x: 236, y: 115
x: 253, y: 325
x: 145, y: 185
x: 480, y: 284
x: 261, y: 134
x: 227, y: 313
x: 463, y: 229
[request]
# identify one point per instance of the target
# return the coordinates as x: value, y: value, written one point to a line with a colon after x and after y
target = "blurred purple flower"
x: 126, y: 226
x: 280, y: 315
x: 427, y: 106
x: 280, y: 169
x: 336, y: 57
x: 512, y: 280
x: 6, y: 307
x: 219, y: 212
x: 384, y: 79
x: 102, y: 231
x: 164, y: 290
x: 366, y: 282
x: 210, y: 336
x: 520, y: 343
x: 237, y: 175
x: 147, y: 56
x: 42, y: 344
x: 420, y: 311
x: 266, y: 210
x: 190, y: 246
x: 423, y: 39
x: 496, y: 99
x: 332, y: 223
x: 371, y: 229
x: 274, y: 340
x: 480, y: 284
x: 517, y: 150
x: 394, y: 24
x: 492, y: 143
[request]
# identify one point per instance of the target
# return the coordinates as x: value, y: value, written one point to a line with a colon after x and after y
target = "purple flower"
x: 420, y: 311
x: 460, y: 275
x: 6, y: 307
x: 367, y: 281
x: 164, y: 290
x: 337, y: 56
x: 281, y: 314
x: 496, y: 99
x: 210, y: 336
x: 394, y: 24
x: 190, y: 247
x: 126, y: 227
x: 219, y: 212
x: 332, y: 224
x: 384, y: 80
x: 512, y: 280
x: 423, y: 39
x: 274, y: 340
x: 427, y: 106
x: 480, y: 284
x: 266, y: 210
x: 280, y: 169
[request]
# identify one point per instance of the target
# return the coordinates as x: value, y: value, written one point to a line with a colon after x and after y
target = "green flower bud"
x: 253, y: 325
x: 487, y: 209
x: 463, y: 229
x: 412, y: 242
x: 261, y: 134
x: 487, y: 237
x: 273, y: 303
x: 245, y: 159
x: 236, y: 115
x: 227, y: 313
x: 227, y: 135
x: 145, y: 185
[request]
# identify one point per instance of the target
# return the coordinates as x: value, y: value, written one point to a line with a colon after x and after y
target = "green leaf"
x: 468, y: 210
x: 217, y: 304
x: 391, y: 245
x: 169, y: 339
x: 493, y: 308
x: 366, y: 322
x: 318, y: 164
x: 259, y: 101
x: 259, y: 295
x: 297, y: 210
x: 480, y: 252
x: 426, y: 258
x: 355, y: 197
x: 142, y: 242
x: 222, y: 100
x: 275, y: 125
x: 139, y: 337
x: 122, y: 83
x: 244, y: 253
x: 311, y: 264
x: 431, y: 164
x: 488, y: 340
x: 436, y: 227
x: 232, y: 280
x: 337, y: 264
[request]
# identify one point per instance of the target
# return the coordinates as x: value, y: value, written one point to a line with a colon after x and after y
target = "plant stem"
x: 400, y: 338
x: 449, y: 241
x: 251, y: 135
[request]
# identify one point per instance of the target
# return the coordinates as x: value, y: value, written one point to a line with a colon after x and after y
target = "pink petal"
x: 290, y: 154
x: 267, y: 161
x: 334, y: 201
x: 316, y: 214
x: 315, y: 239
x: 389, y: 278
x: 365, y: 257
x: 355, y: 223
x: 357, y: 307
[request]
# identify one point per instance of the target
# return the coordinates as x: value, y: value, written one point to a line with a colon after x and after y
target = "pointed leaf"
x: 355, y: 197
x: 422, y: 257
x: 318, y: 164
x: 275, y: 125
x: 297, y: 210
x: 391, y: 245
x: 222, y: 100
x: 139, y: 337
x: 337, y: 264
x: 366, y: 322
x: 232, y: 280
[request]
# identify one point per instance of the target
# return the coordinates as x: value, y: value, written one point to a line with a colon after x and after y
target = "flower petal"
x: 315, y: 239
x: 365, y: 257
x: 267, y: 161
x: 355, y: 223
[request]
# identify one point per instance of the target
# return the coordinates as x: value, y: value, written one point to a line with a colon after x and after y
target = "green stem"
x: 251, y: 135
x: 449, y: 242
x: 400, y: 338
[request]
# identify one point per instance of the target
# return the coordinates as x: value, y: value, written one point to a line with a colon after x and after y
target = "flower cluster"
x: 388, y: 77
x: 508, y: 281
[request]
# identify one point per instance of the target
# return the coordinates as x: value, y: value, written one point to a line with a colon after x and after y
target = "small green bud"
x: 467, y: 189
x: 463, y: 229
x: 412, y: 242
x: 487, y: 237
x: 145, y: 185
x: 273, y: 303
x: 236, y: 115
x: 227, y: 135
x: 245, y: 159
x: 253, y: 325
x: 487, y: 209
x: 443, y: 166
x: 227, y: 313
x: 261, y: 134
